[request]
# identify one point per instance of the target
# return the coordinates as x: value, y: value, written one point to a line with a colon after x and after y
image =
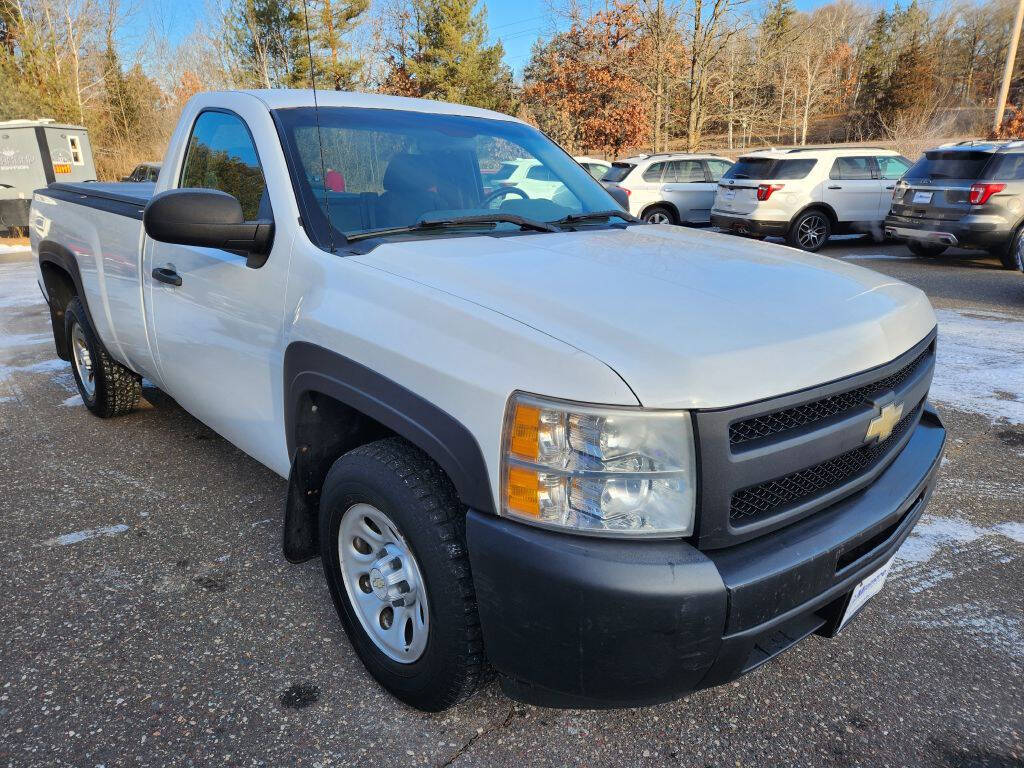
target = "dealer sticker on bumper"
x: 864, y: 591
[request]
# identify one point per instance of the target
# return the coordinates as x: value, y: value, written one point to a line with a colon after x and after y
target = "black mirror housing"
x: 208, y: 218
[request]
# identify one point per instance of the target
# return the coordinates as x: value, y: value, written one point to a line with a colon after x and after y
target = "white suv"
x: 669, y: 188
x: 806, y: 195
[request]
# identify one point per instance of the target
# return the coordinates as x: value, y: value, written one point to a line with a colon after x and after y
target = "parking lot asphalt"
x: 149, y: 618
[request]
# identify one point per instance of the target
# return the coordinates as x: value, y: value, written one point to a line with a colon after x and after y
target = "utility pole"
x: 1011, y: 55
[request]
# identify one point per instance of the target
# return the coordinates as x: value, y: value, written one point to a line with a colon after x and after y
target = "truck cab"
x: 519, y: 430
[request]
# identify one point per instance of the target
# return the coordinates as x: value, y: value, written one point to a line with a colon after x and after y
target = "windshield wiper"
x: 427, y: 225
x: 579, y: 218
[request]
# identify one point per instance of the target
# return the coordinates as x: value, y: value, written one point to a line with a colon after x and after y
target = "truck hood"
x: 687, y: 318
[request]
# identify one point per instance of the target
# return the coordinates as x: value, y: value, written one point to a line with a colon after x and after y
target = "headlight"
x: 598, y: 469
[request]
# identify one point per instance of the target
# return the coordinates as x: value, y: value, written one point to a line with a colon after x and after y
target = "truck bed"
x: 121, y: 197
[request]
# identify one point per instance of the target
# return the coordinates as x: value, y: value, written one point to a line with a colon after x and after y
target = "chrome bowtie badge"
x: 883, y: 424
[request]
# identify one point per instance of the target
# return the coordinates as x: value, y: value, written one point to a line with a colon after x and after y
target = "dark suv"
x: 969, y: 195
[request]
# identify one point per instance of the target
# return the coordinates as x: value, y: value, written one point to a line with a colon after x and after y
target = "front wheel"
x: 919, y: 248
x: 392, y: 541
x: 107, y: 387
x: 809, y: 231
x: 1012, y: 254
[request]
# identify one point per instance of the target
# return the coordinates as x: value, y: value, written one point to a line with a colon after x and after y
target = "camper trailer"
x: 34, y: 153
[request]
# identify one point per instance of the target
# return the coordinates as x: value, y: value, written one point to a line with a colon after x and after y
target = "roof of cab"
x: 287, y: 98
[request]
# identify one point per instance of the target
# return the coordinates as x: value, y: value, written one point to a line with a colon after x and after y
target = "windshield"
x: 955, y: 164
x: 387, y: 169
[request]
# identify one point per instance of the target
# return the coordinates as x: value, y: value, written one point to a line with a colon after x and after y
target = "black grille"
x: 770, y: 424
x: 759, y: 501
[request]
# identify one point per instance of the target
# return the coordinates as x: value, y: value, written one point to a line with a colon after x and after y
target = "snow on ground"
x: 76, y: 536
x: 980, y: 365
x: 6, y: 248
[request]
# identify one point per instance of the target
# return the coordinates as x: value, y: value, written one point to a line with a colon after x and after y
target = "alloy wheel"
x: 83, y: 361
x: 811, y: 232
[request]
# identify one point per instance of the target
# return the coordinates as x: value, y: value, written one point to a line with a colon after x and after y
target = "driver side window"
x: 221, y: 155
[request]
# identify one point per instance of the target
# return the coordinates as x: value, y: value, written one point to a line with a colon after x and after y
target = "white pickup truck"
x: 615, y: 461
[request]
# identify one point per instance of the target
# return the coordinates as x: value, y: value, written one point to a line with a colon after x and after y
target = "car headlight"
x: 613, y: 471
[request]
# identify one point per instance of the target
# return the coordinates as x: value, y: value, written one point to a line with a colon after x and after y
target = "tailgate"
x: 948, y: 202
x: 736, y: 198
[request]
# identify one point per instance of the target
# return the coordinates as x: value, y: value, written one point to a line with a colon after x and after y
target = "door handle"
x: 166, y: 275
x: 835, y: 186
x: 892, y: 187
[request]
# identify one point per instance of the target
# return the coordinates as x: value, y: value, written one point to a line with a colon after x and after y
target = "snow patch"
x: 933, y: 533
x: 73, y: 401
x: 91, y: 533
x: 980, y: 365
x: 1013, y: 531
x: 9, y: 249
x: 987, y: 623
x: 876, y: 257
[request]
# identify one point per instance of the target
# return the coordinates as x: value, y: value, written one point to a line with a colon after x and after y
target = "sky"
x: 517, y: 23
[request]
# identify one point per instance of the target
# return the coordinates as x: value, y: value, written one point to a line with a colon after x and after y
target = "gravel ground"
x: 149, y: 618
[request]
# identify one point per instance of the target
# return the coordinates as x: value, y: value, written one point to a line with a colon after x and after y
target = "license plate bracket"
x: 922, y: 197
x: 866, y: 589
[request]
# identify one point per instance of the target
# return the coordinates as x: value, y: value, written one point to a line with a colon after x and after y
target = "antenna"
x: 319, y: 135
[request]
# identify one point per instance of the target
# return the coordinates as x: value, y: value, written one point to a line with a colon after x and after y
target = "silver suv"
x: 969, y: 195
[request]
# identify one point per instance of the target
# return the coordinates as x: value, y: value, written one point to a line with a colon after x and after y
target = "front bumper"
x: 747, y: 226
x: 982, y: 231
x: 586, y: 622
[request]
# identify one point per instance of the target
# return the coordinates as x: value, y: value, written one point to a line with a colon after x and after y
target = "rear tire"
x: 925, y: 250
x: 659, y: 214
x: 107, y: 387
x: 810, y: 230
x: 416, y: 545
x: 1012, y: 254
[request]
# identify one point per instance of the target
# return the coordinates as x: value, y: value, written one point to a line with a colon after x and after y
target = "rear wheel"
x: 392, y: 542
x: 106, y: 386
x: 659, y: 214
x: 919, y: 248
x: 810, y: 230
x: 1012, y: 254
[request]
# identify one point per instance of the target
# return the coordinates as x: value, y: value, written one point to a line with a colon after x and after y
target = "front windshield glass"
x: 385, y: 169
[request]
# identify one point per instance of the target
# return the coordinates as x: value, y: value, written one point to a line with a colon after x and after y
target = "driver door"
x: 217, y: 333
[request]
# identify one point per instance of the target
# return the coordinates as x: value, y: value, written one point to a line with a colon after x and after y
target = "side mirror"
x: 619, y: 196
x: 209, y: 218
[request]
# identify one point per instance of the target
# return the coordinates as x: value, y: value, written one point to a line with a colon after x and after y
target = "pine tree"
x: 450, y: 60
x: 330, y: 21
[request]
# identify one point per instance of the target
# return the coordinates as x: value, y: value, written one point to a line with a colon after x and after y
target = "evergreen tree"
x: 261, y: 41
x: 446, y: 57
x: 330, y: 21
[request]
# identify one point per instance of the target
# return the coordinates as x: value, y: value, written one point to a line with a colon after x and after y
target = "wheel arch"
x: 822, y: 206
x: 334, y: 404
x: 670, y: 207
x: 62, y: 281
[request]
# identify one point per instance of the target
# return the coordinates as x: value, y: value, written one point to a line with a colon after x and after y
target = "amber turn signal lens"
x: 525, y: 431
x: 522, y: 487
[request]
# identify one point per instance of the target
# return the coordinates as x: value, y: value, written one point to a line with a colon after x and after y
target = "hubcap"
x: 83, y: 361
x: 383, y: 582
x: 811, y: 232
x: 658, y: 218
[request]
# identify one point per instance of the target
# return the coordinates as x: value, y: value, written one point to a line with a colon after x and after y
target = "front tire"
x: 810, y: 230
x: 659, y: 214
x: 392, y: 541
x: 1011, y: 255
x: 107, y: 387
x: 919, y: 248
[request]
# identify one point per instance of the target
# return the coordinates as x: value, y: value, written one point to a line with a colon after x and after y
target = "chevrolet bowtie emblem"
x: 883, y: 424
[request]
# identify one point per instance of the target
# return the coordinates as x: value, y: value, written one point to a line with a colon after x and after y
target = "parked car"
x: 596, y: 168
x: 808, y: 194
x: 34, y: 153
x: 144, y: 172
x: 532, y: 177
x: 968, y: 195
x: 513, y: 429
x: 669, y: 188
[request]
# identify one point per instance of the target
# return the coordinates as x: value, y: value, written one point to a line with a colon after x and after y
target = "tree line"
x: 610, y: 77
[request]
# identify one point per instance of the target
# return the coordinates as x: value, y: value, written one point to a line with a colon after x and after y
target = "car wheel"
x: 107, y: 387
x: 919, y: 248
x: 810, y: 230
x: 659, y: 214
x: 392, y: 541
x: 1012, y: 254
